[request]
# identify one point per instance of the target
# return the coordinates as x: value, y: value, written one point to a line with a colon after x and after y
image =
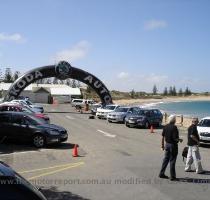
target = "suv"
x: 81, y: 102
x: 204, y: 130
x: 144, y: 118
x: 14, y: 186
x: 25, y: 127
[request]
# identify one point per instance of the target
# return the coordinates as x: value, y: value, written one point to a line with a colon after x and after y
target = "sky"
x: 128, y: 44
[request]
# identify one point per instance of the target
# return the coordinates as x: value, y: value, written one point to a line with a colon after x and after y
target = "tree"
x: 8, y: 75
x: 187, y: 92
x: 174, y: 91
x: 154, y: 90
x: 16, y: 75
x: 180, y: 92
x: 170, y: 91
x: 1, y: 76
x: 165, y: 91
x: 133, y: 94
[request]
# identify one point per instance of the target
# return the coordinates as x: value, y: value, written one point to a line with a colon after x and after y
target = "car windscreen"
x: 142, y: 112
x: 121, y: 109
x: 110, y: 107
x: 206, y: 123
x: 28, y: 102
x: 31, y: 120
x: 27, y: 110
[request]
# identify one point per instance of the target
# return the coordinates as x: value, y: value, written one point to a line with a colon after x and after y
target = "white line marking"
x: 107, y: 134
x: 69, y: 117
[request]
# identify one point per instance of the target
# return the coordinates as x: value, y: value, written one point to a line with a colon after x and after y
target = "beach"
x: 183, y: 119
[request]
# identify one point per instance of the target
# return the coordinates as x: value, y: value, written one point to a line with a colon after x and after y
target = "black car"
x: 15, y: 187
x: 144, y: 118
x: 25, y: 127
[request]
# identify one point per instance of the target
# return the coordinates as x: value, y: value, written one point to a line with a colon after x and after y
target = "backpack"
x: 184, y: 153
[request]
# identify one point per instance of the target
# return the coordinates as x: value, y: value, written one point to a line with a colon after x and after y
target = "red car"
x: 19, y: 108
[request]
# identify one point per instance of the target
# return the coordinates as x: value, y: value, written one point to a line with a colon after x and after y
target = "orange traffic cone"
x: 75, y: 151
x: 151, y: 129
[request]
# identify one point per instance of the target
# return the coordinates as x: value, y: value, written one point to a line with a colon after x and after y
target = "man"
x: 170, y: 136
x: 193, y: 149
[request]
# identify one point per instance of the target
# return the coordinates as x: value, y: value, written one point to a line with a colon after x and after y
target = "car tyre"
x: 127, y: 124
x: 39, y: 141
x: 147, y: 125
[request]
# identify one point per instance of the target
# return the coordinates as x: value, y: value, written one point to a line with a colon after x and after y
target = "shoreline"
x: 162, y: 100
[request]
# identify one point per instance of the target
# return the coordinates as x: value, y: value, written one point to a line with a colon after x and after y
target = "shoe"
x: 189, y: 170
x: 163, y: 176
x: 202, y: 172
x: 173, y: 179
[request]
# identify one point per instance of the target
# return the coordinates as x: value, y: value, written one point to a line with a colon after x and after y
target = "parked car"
x: 81, y: 102
x: 14, y: 187
x: 144, y: 118
x: 120, y: 113
x: 204, y: 130
x: 30, y: 104
x: 25, y: 109
x: 94, y: 108
x: 25, y: 127
x: 103, y: 112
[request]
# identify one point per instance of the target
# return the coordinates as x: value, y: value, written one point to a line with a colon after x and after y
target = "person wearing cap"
x: 193, y: 149
x: 170, y: 140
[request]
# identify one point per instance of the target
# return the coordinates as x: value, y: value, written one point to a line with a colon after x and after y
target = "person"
x: 193, y: 154
x: 170, y: 136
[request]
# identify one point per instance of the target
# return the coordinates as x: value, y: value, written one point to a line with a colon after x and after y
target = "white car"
x: 30, y: 104
x: 204, y: 130
x: 103, y: 112
x: 81, y: 102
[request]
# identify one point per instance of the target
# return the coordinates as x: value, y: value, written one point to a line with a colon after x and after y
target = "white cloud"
x: 154, y: 24
x: 77, y: 52
x: 123, y: 75
x: 16, y: 37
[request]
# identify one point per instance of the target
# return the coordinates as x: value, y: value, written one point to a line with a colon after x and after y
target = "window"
x: 206, y: 123
x: 17, y: 119
x: 5, y: 118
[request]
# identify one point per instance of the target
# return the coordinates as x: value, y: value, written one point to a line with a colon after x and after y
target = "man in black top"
x: 193, y: 150
x: 170, y: 135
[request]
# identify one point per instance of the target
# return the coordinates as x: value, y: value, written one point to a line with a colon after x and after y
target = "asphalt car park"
x: 114, y: 162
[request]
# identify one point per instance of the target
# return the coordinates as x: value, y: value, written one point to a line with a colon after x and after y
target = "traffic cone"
x: 75, y: 151
x: 151, y: 129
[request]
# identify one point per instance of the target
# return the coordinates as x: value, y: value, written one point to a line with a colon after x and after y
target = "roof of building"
x: 54, y: 89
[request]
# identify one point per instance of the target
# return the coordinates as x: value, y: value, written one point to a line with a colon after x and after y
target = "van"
x: 81, y: 102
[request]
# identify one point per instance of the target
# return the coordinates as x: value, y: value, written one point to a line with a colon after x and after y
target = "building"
x: 43, y: 93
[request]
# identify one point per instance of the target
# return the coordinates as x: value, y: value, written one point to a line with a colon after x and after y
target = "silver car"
x: 120, y: 113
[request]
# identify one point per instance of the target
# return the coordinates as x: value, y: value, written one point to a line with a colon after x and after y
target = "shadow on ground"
x: 205, y: 145
x: 194, y: 180
x: 53, y: 193
x: 11, y: 147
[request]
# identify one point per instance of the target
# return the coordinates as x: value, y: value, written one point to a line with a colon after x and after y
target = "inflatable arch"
x: 62, y: 70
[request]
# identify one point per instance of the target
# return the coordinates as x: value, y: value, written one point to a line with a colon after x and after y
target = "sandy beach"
x: 185, y: 122
x: 164, y: 100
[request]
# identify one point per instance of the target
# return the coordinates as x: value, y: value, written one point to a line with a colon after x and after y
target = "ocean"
x: 198, y: 109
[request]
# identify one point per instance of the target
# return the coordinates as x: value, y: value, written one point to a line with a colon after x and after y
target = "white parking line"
x: 69, y: 117
x: 107, y: 134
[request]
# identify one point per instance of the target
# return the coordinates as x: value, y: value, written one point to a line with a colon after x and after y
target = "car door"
x: 19, y: 128
x: 5, y: 124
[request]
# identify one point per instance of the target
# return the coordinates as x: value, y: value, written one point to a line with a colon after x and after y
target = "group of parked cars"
x: 132, y: 116
x: 23, y: 121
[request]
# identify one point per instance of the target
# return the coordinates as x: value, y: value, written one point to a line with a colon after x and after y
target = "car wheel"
x: 39, y: 141
x: 127, y: 124
x: 146, y: 125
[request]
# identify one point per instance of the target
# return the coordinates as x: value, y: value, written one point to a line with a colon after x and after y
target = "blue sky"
x: 128, y: 44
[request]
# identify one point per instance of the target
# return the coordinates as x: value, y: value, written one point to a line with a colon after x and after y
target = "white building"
x: 43, y: 93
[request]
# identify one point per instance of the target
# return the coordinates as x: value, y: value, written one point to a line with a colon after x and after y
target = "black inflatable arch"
x: 62, y: 70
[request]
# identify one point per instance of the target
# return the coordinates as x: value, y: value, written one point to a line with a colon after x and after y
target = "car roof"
x: 15, y: 113
x: 205, y: 118
x: 6, y: 170
x: 14, y: 105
